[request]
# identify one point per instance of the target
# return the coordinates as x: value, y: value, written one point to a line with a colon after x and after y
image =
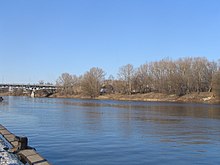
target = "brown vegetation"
x: 203, y: 97
x: 167, y: 77
x: 216, y: 84
x: 91, y: 82
x: 182, y: 80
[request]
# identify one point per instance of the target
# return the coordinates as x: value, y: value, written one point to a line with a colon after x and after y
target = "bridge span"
x: 28, y: 88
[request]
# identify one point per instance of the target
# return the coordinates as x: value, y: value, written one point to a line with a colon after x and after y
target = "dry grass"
x: 204, y: 97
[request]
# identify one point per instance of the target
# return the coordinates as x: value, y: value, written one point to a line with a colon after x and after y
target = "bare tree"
x: 216, y: 84
x: 158, y: 70
x: 126, y: 74
x: 202, y: 74
x: 216, y: 81
x: 143, y: 79
x: 92, y: 81
x: 66, y: 84
x: 179, y: 77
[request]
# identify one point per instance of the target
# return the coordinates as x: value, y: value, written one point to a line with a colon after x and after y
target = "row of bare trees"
x: 178, y: 77
x: 89, y: 84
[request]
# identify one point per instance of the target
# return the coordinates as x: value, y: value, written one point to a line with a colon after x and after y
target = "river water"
x: 93, y: 132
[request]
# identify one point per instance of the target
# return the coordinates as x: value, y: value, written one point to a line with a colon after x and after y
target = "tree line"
x: 180, y: 77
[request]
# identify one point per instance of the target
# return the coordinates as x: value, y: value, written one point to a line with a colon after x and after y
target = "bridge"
x: 32, y: 88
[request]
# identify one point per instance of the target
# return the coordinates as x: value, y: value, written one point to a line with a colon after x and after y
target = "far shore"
x: 203, y: 97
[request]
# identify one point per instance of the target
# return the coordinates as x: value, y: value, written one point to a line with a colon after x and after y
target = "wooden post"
x: 22, y: 142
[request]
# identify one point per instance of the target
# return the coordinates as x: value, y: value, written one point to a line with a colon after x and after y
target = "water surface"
x: 72, y: 131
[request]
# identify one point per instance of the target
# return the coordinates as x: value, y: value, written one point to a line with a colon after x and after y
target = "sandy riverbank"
x: 203, y: 97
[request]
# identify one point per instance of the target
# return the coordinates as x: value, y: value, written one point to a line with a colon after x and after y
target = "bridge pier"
x: 10, y: 89
x: 33, y: 93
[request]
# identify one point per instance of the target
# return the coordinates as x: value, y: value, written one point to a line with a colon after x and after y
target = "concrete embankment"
x: 15, y: 150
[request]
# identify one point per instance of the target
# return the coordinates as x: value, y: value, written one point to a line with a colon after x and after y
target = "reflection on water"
x: 116, y: 132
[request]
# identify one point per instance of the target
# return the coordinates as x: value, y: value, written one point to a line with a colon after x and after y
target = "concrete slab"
x: 27, y: 152
x: 5, y: 132
x: 10, y: 137
x: 35, y: 158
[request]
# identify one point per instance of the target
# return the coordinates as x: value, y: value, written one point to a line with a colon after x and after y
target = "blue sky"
x: 41, y: 39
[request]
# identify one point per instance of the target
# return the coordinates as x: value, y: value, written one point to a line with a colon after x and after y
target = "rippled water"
x: 71, y: 131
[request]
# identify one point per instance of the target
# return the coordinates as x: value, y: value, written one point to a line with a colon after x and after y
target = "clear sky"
x: 41, y: 39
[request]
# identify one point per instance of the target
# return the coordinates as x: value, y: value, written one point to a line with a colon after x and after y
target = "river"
x: 93, y: 132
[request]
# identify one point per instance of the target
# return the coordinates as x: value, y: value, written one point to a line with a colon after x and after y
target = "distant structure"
x: 33, y: 93
x: 29, y: 88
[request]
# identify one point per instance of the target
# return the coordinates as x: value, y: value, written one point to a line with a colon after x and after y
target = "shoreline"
x: 203, y: 97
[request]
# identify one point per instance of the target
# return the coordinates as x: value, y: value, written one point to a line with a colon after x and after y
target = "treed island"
x: 183, y: 80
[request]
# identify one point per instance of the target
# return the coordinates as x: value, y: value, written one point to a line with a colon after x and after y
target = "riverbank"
x: 203, y: 97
